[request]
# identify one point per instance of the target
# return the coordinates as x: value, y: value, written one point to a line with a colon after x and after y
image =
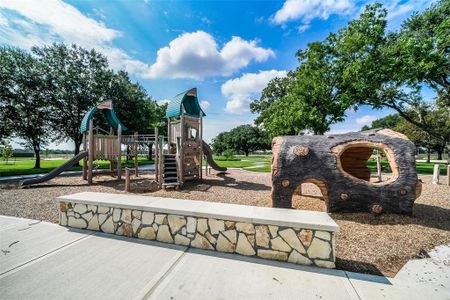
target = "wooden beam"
x: 156, y: 154
x: 91, y: 151
x: 436, y: 173
x: 200, y: 144
x: 85, y: 166
x: 119, y: 154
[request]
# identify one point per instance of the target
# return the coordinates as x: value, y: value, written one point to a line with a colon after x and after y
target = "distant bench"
x: 296, y: 236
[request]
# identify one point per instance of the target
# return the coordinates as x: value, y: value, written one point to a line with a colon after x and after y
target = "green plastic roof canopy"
x: 186, y: 100
x: 109, y: 113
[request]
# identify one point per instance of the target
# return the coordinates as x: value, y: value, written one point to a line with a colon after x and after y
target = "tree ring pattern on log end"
x: 344, y: 196
x: 377, y: 209
x: 301, y: 150
x: 285, y: 183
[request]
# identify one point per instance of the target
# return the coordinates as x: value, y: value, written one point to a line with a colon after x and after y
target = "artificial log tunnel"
x: 337, y: 164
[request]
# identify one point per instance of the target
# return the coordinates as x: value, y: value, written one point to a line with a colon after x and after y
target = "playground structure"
x: 178, y: 158
x: 337, y: 165
x: 186, y: 148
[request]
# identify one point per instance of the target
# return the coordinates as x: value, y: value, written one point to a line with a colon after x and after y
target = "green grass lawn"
x: 421, y: 167
x: 25, y: 167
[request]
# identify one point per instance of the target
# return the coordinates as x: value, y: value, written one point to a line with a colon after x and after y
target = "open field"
x: 26, y: 166
x: 255, y: 163
x: 365, y: 243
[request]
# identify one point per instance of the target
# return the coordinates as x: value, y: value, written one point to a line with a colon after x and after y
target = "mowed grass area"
x: 254, y: 163
x: 422, y: 168
x: 26, y: 166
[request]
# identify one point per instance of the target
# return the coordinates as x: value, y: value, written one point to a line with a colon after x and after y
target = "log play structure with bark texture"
x: 337, y: 165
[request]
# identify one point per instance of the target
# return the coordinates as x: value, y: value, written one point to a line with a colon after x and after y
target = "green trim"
x: 110, y: 116
x: 187, y: 100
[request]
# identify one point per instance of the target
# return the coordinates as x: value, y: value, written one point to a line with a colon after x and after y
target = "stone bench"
x: 296, y: 236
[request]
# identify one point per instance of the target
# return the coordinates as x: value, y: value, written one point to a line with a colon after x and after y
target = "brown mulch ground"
x: 365, y: 243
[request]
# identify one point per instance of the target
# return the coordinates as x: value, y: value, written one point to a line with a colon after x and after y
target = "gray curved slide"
x: 209, y: 158
x: 56, y: 171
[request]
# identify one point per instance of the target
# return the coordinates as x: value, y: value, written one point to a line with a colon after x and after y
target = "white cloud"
x: 40, y: 23
x: 204, y: 105
x: 303, y: 28
x: 307, y: 10
x: 196, y: 55
x: 239, y: 91
x: 365, y: 120
x: 164, y: 101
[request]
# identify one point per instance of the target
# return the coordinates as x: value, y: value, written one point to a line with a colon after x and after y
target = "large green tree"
x: 25, y: 90
x: 80, y: 80
x: 242, y: 139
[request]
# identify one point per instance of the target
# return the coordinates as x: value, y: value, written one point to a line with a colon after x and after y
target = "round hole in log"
x: 357, y: 159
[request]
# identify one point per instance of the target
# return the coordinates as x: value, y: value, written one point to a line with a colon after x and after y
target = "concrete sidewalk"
x: 40, y: 260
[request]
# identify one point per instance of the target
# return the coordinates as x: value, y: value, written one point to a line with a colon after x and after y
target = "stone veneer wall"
x: 296, y: 245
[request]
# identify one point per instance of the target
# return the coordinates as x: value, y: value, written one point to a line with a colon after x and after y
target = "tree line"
x: 364, y: 64
x: 45, y: 93
x: 242, y: 139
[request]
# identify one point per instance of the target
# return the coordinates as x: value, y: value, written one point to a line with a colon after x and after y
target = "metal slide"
x: 209, y: 158
x: 55, y: 172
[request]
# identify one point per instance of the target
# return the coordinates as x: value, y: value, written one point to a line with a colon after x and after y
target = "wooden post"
x: 436, y: 173
x: 91, y: 151
x: 119, y: 155
x: 169, y: 134
x: 448, y: 175
x: 378, y: 169
x: 181, y: 154
x: 156, y: 154
x: 136, y: 164
x: 85, y: 166
x: 111, y: 162
x: 200, y: 143
x: 127, y: 179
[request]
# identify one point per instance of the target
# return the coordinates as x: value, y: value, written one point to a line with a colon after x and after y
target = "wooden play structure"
x: 185, y: 146
x: 178, y: 158
x: 107, y: 145
x: 337, y: 164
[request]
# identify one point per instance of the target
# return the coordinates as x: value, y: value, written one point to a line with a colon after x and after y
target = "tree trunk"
x: 439, y: 154
x: 150, y: 151
x: 246, y: 152
x: 37, y: 155
x: 428, y: 154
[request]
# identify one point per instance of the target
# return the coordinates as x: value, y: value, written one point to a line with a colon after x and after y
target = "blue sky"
x: 229, y: 50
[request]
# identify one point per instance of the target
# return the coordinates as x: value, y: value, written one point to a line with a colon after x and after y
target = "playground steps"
x: 170, y: 172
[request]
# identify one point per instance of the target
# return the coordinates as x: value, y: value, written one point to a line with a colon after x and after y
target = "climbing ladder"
x: 170, y: 171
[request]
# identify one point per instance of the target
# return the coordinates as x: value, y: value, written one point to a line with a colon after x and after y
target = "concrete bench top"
x: 204, y: 209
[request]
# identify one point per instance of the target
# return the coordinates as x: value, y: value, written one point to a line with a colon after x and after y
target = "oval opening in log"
x: 354, y: 158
